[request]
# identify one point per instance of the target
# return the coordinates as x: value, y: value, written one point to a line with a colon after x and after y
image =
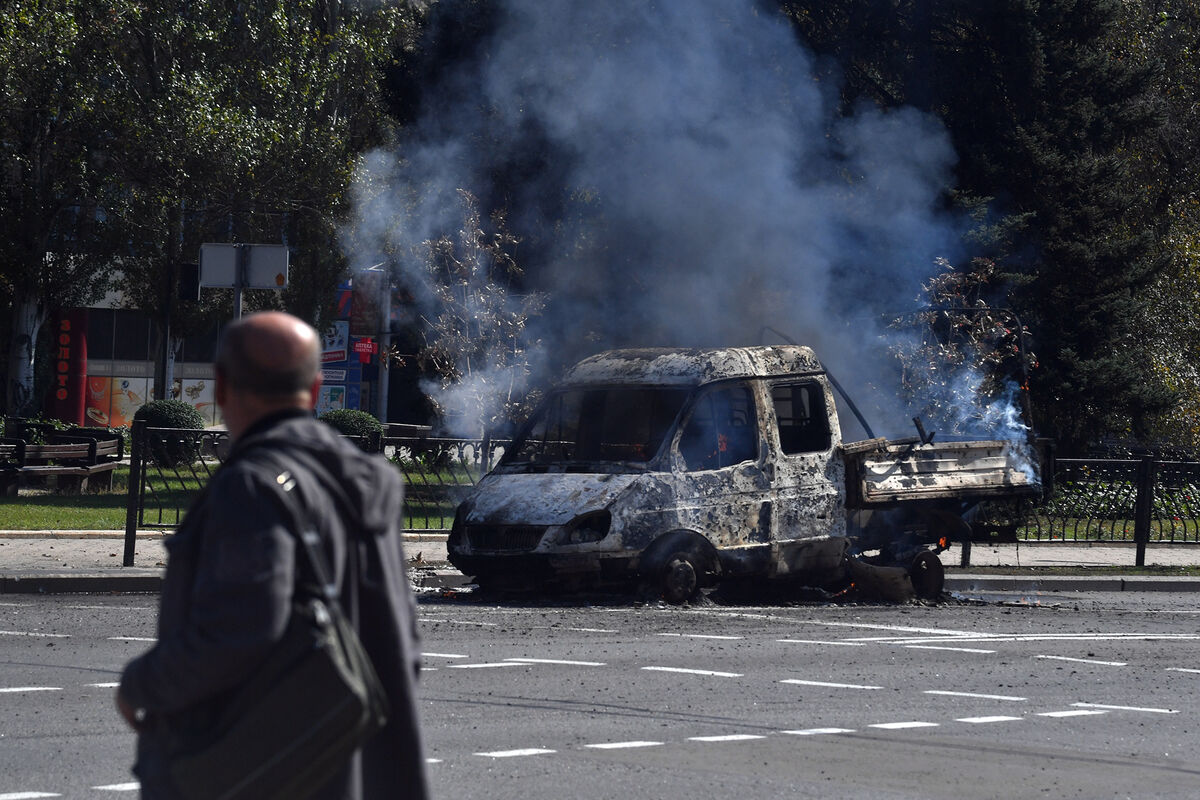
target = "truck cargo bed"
x: 880, y: 472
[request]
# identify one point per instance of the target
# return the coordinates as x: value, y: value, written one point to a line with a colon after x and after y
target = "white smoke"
x: 712, y: 187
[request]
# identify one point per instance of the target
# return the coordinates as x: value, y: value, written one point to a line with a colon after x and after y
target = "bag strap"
x: 309, y: 537
x: 303, y: 529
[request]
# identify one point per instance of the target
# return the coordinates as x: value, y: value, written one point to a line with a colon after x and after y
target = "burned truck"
x: 678, y: 469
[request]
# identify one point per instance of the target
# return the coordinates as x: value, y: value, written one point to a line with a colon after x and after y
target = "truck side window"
x: 803, y: 423
x: 722, y: 430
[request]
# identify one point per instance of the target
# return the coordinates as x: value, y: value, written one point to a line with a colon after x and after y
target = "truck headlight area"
x: 590, y: 527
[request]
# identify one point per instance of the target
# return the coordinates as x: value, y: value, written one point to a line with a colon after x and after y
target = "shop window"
x: 100, y: 334
x: 131, y: 336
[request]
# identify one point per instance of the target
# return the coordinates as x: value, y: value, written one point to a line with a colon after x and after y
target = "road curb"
x: 1071, y: 583
x: 131, y: 581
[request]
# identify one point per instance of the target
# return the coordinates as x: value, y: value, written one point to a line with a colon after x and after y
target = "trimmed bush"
x: 172, y: 450
x: 352, y: 422
x: 170, y: 414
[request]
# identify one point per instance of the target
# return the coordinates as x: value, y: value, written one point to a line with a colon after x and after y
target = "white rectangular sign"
x: 266, y: 266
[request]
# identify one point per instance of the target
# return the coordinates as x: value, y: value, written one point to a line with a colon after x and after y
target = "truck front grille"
x: 504, y: 538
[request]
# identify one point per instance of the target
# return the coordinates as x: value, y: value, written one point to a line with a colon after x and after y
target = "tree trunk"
x: 27, y: 320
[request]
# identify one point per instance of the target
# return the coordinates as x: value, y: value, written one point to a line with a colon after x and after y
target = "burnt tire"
x: 679, y: 579
x: 928, y: 576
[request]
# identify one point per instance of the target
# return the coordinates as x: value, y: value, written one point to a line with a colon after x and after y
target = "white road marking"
x: 985, y: 720
x: 443, y: 655
x: 1086, y: 661
x: 132, y: 639
x: 972, y: 694
x: 433, y: 761
x: 1077, y: 713
x: 819, y: 731
x: 1183, y: 669
x: 36, y: 636
x: 818, y: 641
x: 488, y: 665
x: 111, y: 608
x: 112, y: 685
x: 701, y: 636
x: 622, y: 745
x: 27, y: 795
x: 896, y: 628
x: 20, y: 689
x: 529, y: 751
x: 799, y: 682
x: 460, y: 622
x: 1039, y: 637
x: 557, y: 661
x: 1127, y: 708
x: 593, y: 630
x: 955, y: 649
x: 118, y: 787
x: 897, y: 726
x: 732, y: 737
x: 712, y: 673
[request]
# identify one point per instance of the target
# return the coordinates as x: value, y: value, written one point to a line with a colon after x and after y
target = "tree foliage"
x: 53, y: 93
x: 132, y: 132
x: 475, y: 334
x: 1056, y: 129
x: 965, y: 365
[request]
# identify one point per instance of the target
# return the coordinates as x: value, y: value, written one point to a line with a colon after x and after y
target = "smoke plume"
x: 681, y: 178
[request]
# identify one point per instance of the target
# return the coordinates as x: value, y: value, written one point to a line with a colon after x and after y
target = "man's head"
x: 266, y: 362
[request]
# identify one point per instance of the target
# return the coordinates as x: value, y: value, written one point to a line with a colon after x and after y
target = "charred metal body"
x: 678, y: 468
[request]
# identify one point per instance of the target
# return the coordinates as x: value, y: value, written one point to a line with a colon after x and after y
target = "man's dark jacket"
x: 228, y: 589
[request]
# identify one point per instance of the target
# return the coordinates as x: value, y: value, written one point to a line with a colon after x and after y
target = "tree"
x: 248, y: 129
x: 965, y: 365
x: 475, y: 334
x: 53, y: 98
x: 1167, y: 32
x: 1045, y: 114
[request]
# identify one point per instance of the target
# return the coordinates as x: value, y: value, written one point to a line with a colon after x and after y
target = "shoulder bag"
x: 301, y: 716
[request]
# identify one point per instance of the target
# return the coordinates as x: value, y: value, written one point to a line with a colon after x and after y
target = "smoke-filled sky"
x: 682, y: 179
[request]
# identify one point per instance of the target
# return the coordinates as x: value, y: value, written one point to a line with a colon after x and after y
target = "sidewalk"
x: 90, y: 561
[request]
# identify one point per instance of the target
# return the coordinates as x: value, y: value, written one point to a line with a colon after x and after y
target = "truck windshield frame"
x: 615, y: 425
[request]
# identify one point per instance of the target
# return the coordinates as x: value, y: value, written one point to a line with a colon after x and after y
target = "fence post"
x: 1144, y: 508
x: 137, y: 451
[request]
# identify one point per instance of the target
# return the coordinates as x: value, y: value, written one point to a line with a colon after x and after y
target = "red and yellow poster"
x: 98, y: 400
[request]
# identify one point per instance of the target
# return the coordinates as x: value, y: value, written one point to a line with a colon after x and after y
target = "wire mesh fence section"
x: 438, y: 475
x: 1175, y: 516
x: 169, y: 467
x: 1093, y: 500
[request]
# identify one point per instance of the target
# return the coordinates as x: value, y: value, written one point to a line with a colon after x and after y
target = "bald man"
x: 231, y: 567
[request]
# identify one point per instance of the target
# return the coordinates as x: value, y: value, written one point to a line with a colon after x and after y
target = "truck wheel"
x: 679, y: 579
x: 928, y: 575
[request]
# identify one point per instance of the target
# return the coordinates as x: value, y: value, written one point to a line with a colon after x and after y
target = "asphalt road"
x: 1088, y: 695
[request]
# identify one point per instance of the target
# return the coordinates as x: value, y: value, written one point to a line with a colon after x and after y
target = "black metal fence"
x: 169, y: 467
x: 1139, y: 502
x: 1135, y: 501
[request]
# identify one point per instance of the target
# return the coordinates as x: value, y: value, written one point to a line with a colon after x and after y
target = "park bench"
x: 74, y: 458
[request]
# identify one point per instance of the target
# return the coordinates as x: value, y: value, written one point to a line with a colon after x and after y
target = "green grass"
x: 167, y: 497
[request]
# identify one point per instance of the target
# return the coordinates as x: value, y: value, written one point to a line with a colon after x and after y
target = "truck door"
x: 723, y: 490
x: 808, y: 475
